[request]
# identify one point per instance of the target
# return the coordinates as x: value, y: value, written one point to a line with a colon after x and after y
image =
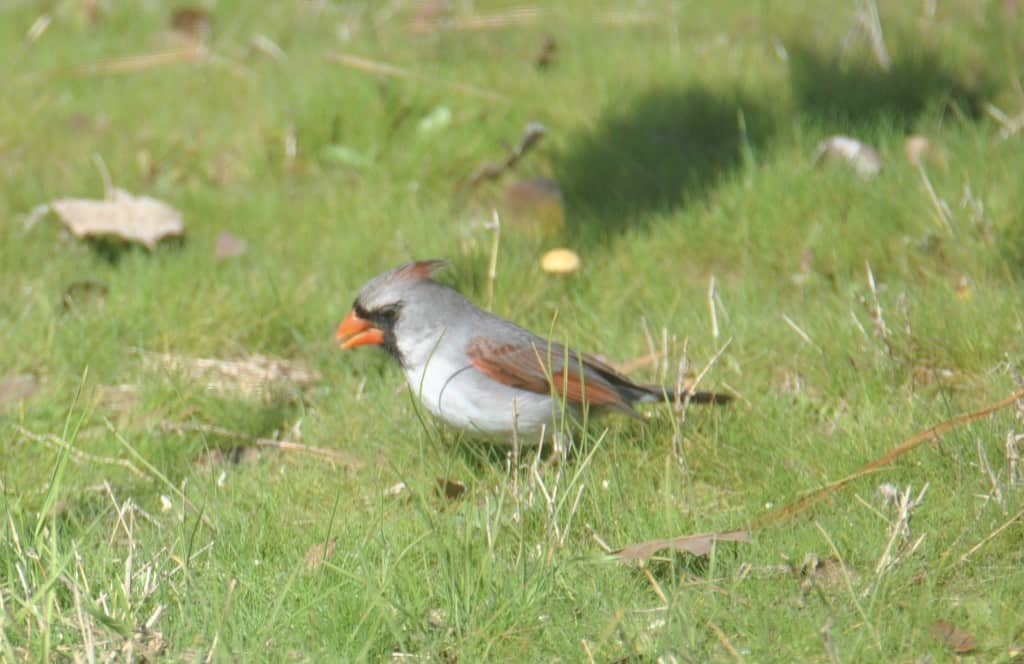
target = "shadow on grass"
x: 859, y: 95
x: 669, y: 148
x: 665, y: 150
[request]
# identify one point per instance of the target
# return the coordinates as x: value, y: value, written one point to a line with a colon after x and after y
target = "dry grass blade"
x: 136, y: 63
x: 932, y: 433
x: 698, y: 545
x: 392, y: 71
x: 342, y: 458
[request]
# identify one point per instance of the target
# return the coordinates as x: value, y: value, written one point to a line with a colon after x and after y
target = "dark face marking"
x: 384, y: 319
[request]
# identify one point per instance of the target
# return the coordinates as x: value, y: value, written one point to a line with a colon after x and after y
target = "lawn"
x: 294, y: 503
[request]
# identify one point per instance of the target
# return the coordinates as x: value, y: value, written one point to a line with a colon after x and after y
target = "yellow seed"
x: 560, y: 261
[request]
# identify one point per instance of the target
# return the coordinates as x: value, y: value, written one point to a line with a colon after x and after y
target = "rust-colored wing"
x: 581, y: 379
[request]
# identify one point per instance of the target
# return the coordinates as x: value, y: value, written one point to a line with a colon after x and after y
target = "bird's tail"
x: 661, y: 393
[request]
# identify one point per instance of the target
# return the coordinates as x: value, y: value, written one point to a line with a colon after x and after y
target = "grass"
x: 682, y: 142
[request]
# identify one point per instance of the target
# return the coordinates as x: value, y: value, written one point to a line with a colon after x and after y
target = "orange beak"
x: 355, y: 331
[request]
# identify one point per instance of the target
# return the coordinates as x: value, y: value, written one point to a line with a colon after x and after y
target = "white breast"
x: 465, y: 398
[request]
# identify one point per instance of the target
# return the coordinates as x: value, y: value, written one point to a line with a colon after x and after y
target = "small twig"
x: 931, y: 434
x: 343, y: 458
x: 52, y: 440
x: 491, y: 171
x: 389, y: 70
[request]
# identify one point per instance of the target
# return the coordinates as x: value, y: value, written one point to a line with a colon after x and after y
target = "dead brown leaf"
x: 697, y: 545
x: 864, y: 158
x: 956, y: 639
x: 137, y: 219
x: 450, y: 489
x: 256, y: 376
x: 320, y: 553
x: 16, y: 388
x: 228, y: 246
x: 192, y: 22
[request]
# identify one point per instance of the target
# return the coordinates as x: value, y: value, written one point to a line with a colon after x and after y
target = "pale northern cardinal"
x: 479, y: 372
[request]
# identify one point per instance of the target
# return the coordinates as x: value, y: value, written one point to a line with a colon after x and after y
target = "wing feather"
x: 583, y: 379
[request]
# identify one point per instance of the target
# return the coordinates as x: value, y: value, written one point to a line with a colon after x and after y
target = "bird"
x: 481, y: 373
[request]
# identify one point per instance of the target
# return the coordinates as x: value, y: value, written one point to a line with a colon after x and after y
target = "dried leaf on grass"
x: 697, y: 545
x: 450, y: 489
x: 320, y: 553
x: 83, y: 295
x: 228, y: 246
x: 253, y: 377
x: 16, y: 388
x: 192, y: 22
x: 139, y: 219
x: 956, y: 639
x: 864, y: 158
